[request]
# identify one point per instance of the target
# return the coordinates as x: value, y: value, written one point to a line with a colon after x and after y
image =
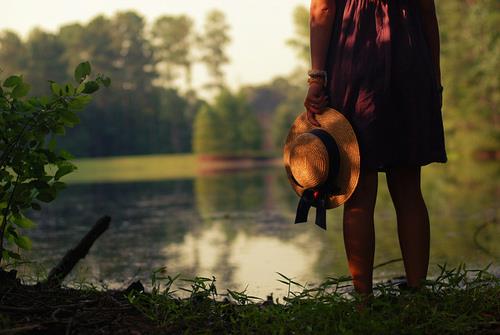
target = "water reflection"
x: 238, y: 227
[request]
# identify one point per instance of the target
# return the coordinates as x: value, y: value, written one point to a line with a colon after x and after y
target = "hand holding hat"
x: 316, y: 100
x: 322, y: 164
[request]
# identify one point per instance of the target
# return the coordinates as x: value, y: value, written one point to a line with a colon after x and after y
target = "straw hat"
x: 322, y: 164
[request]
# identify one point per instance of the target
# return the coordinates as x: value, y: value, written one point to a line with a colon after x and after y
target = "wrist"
x: 316, y: 81
x: 317, y: 74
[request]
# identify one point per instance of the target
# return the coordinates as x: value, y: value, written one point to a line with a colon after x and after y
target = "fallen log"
x: 68, y: 262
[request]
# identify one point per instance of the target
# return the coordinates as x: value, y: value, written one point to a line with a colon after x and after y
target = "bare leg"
x: 359, y: 231
x: 413, y: 222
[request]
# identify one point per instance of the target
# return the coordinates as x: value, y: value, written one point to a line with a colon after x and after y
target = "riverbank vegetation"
x: 457, y: 301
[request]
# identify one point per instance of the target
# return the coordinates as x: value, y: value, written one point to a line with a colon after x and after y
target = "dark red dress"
x: 381, y: 78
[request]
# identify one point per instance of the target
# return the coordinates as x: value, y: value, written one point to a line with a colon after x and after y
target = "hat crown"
x: 299, y: 174
x: 309, y: 161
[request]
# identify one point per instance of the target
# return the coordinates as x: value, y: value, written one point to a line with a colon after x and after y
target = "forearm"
x: 431, y: 32
x: 322, y: 14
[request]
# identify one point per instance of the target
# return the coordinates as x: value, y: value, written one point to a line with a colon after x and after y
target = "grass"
x: 136, y: 168
x: 457, y: 301
x: 149, y: 167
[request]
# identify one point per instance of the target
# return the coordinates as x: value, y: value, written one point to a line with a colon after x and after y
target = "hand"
x: 315, y: 102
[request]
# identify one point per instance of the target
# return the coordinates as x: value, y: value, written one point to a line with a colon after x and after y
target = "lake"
x: 238, y: 225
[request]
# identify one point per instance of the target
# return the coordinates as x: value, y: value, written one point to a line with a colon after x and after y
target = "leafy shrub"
x: 31, y: 167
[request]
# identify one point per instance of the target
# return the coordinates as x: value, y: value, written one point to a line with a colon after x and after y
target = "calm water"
x: 239, y: 228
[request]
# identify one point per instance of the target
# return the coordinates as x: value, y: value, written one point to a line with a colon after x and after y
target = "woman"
x: 377, y: 62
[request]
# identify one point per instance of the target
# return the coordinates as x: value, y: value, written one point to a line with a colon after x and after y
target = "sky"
x: 259, y: 28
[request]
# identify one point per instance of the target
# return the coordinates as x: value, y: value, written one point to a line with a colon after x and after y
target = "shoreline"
x: 459, y: 301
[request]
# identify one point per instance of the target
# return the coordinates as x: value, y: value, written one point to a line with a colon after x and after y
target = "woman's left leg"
x: 413, y: 221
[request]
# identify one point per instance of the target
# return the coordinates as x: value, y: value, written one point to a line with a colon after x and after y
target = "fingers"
x: 311, y: 117
x: 315, y: 103
x: 318, y: 102
x: 314, y: 108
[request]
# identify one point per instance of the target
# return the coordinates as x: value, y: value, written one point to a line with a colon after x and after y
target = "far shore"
x: 164, y: 167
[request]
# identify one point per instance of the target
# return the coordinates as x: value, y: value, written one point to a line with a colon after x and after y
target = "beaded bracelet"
x: 317, y: 74
x: 318, y: 80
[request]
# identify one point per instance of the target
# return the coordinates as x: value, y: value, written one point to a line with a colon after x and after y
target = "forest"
x: 152, y: 107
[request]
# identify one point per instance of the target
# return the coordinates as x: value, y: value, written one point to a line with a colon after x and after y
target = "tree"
x: 45, y: 60
x: 300, y: 42
x: 470, y: 61
x: 250, y: 130
x: 213, y: 43
x: 13, y: 54
x: 227, y: 127
x: 134, y: 59
x: 73, y: 38
x: 285, y: 114
x: 175, y: 122
x: 206, y: 131
x: 265, y: 101
x: 172, y: 37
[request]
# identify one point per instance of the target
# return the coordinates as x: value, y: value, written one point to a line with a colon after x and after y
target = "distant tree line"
x: 470, y: 63
x: 145, y: 111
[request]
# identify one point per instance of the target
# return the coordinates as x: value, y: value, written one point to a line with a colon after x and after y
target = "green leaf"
x: 12, y: 254
x: 64, y: 169
x: 40, y: 184
x: 23, y: 242
x: 69, y: 89
x: 80, y: 102
x: 82, y: 71
x: 22, y: 221
x: 11, y: 233
x: 69, y: 117
x: 65, y: 154
x: 106, y: 81
x: 46, y: 195
x: 5, y: 255
x: 12, y: 81
x: 44, y: 100
x: 60, y: 130
x: 20, y: 90
x: 52, y: 143
x: 90, y: 87
x: 80, y: 88
x: 58, y: 186
x: 56, y: 89
x: 46, y: 178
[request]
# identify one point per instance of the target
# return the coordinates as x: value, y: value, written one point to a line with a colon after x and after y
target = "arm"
x: 431, y: 32
x: 322, y: 15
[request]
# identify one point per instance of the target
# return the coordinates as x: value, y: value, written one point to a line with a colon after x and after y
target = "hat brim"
x: 340, y: 129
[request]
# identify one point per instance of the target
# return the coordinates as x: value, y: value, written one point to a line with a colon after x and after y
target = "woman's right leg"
x: 359, y: 231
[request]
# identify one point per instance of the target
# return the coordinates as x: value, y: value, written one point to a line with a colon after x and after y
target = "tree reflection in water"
x: 239, y: 228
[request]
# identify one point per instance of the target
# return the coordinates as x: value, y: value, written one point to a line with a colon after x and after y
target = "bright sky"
x: 259, y: 28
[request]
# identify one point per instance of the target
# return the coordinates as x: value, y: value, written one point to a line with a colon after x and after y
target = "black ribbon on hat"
x: 317, y: 196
